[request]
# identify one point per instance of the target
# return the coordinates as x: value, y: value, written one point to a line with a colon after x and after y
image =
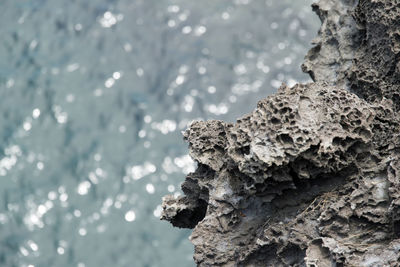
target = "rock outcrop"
x: 312, y: 176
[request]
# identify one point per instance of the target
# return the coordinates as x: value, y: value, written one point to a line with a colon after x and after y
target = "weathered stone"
x: 312, y: 176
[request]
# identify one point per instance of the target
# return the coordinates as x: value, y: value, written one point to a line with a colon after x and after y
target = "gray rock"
x: 336, y: 43
x: 311, y: 177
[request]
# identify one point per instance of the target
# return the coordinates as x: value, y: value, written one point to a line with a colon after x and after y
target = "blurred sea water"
x: 93, y: 98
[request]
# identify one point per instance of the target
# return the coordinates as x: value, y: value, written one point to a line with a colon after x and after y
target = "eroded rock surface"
x: 336, y: 43
x: 312, y: 176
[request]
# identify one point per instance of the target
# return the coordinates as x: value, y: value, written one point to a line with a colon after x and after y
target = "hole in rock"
x: 190, y: 218
x: 286, y: 139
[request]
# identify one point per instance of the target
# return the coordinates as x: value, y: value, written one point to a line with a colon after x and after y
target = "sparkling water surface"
x: 93, y: 98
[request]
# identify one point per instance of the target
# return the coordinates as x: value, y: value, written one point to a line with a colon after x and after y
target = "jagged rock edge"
x: 311, y: 177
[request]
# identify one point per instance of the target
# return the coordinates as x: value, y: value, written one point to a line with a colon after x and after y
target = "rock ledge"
x: 312, y: 176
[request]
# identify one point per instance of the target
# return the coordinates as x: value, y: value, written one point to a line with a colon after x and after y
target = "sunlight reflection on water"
x: 93, y: 98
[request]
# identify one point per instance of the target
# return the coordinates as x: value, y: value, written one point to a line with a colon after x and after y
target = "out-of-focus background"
x: 93, y: 98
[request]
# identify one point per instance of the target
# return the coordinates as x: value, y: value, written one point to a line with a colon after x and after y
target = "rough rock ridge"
x: 312, y: 176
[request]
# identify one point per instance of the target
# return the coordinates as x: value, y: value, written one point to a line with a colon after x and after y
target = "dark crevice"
x: 190, y: 218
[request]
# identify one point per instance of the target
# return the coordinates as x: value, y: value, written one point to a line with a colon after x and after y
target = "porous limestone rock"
x: 375, y: 73
x: 312, y: 176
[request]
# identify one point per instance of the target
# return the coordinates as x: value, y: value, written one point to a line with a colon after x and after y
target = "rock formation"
x: 312, y: 176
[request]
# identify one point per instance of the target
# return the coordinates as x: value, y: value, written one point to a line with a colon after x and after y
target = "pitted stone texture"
x: 311, y: 177
x: 375, y: 73
x: 207, y: 142
x: 299, y: 173
x: 315, y: 126
x: 358, y: 46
